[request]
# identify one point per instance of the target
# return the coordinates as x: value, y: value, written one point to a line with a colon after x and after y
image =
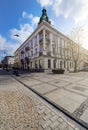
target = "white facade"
x: 8, y: 61
x: 47, y: 49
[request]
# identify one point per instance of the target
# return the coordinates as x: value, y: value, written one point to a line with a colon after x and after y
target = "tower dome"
x: 44, y: 17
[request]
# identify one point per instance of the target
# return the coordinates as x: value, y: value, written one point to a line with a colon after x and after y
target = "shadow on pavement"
x: 13, y: 72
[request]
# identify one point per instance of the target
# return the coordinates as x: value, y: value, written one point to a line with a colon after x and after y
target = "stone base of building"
x: 36, y: 70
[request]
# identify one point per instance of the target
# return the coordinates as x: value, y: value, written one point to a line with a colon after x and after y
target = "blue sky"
x: 21, y: 17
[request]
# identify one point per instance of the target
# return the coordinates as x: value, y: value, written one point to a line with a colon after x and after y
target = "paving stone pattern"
x: 21, y: 109
x: 70, y: 91
x: 80, y: 110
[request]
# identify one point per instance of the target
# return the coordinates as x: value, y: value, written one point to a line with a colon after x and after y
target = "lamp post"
x: 16, y: 35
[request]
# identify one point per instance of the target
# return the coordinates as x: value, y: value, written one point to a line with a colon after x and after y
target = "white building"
x: 47, y: 49
x: 8, y: 61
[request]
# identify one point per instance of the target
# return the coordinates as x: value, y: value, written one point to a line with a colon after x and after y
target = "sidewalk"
x: 21, y: 109
x: 69, y: 91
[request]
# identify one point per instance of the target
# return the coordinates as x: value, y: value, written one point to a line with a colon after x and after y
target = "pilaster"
x: 38, y: 43
x: 33, y: 47
x: 51, y: 44
x: 44, y: 43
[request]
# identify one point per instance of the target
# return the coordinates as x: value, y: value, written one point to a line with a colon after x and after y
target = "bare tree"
x: 76, y: 36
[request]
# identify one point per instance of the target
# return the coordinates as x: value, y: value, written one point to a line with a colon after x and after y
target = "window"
x: 36, y: 51
x: 53, y: 51
x: 67, y: 66
x: 40, y: 49
x: 49, y: 63
x: 31, y: 53
x: 64, y: 64
x: 53, y: 38
x: 31, y: 65
x: 40, y: 63
x: 63, y: 43
x: 60, y: 64
x: 60, y: 51
x: 35, y: 64
x: 31, y: 44
x: 70, y: 64
x: 35, y: 39
x: 54, y: 63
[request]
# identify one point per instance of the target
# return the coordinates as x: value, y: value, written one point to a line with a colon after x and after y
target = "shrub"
x: 58, y: 71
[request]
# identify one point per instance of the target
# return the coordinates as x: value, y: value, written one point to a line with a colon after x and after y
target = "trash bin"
x: 16, y: 73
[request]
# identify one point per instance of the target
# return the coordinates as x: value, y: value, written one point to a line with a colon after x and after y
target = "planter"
x: 58, y: 71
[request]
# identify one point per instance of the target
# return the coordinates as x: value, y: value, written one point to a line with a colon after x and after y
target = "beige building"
x: 46, y: 49
x: 16, y: 59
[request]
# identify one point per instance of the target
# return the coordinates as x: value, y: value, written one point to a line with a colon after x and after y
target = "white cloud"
x: 75, y: 9
x: 85, y: 37
x: 52, y: 22
x: 80, y: 35
x: 82, y: 13
x: 45, y: 2
x: 7, y: 46
x: 34, y: 19
x: 24, y: 14
x: 56, y: 7
x: 2, y: 43
x: 24, y: 31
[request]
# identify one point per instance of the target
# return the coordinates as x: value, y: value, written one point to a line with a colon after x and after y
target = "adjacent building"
x: 16, y: 59
x: 46, y: 49
x: 8, y: 62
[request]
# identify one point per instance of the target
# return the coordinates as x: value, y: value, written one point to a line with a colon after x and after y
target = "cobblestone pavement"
x: 21, y: 109
x: 70, y: 91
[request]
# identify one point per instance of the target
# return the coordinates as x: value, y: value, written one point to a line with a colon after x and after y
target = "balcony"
x: 53, y: 45
x: 27, y: 48
x: 22, y: 60
x: 48, y: 53
x: 47, y: 39
x: 35, y: 45
x: 67, y: 48
x: 68, y: 57
x: 40, y: 53
x: 27, y: 59
x: 40, y: 36
x: 22, y: 52
x: 41, y: 41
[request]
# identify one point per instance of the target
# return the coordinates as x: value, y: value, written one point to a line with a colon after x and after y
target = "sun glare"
x: 85, y: 45
x: 85, y: 40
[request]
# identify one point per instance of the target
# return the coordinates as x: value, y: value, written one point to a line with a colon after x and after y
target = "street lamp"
x: 16, y: 35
